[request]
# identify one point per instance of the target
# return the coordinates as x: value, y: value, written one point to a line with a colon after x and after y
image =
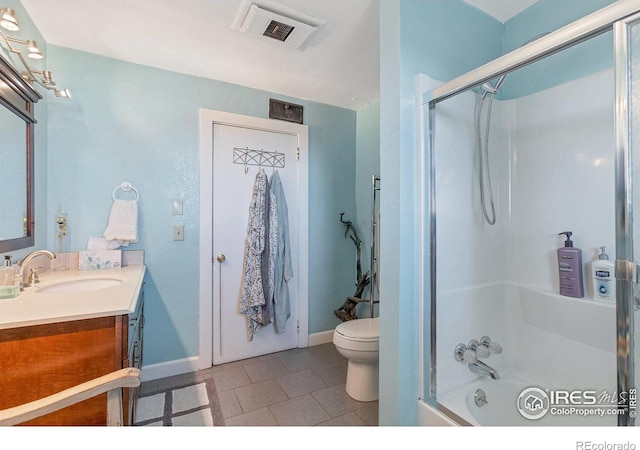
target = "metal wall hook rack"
x: 251, y: 157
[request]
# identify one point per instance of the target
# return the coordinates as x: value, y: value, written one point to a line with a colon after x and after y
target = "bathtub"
x: 501, y: 407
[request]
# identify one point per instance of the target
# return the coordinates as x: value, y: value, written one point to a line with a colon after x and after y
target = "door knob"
x: 221, y: 258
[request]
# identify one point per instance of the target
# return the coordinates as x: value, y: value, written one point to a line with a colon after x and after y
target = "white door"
x: 232, y: 191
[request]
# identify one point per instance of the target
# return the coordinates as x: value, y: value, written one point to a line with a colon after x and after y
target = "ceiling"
x: 502, y: 10
x: 339, y: 64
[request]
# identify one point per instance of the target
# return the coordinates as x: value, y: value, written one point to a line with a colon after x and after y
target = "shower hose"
x: 482, y: 147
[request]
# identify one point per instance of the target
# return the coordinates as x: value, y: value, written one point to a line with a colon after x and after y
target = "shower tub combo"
x: 500, y: 345
x: 540, y: 350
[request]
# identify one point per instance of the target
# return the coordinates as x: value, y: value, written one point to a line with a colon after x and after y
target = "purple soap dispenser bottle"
x: 570, y: 268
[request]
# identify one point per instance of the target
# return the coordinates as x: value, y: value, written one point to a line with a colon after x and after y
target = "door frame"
x: 208, y: 118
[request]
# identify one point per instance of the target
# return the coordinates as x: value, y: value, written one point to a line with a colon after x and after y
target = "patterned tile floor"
x: 303, y: 387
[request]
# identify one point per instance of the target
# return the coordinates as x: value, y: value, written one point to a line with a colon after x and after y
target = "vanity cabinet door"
x: 41, y: 360
x: 136, y: 324
x: 134, y: 354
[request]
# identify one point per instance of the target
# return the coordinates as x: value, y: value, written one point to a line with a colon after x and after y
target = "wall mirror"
x: 17, y: 122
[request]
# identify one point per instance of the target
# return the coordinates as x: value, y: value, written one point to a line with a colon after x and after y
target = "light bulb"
x: 33, y: 50
x: 62, y: 93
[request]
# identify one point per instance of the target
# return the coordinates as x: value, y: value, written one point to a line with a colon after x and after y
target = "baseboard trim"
x: 323, y: 337
x: 170, y: 368
x: 186, y: 365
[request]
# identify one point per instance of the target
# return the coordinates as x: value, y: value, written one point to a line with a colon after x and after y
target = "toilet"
x: 357, y: 340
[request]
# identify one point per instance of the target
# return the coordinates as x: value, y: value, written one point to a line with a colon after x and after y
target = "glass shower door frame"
x: 624, y: 218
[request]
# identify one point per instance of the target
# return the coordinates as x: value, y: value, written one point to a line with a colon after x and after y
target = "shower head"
x: 487, y: 88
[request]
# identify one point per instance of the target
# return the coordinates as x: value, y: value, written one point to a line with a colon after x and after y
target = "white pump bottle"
x: 603, y: 277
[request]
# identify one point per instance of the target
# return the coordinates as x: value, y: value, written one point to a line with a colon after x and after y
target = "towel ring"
x: 125, y: 186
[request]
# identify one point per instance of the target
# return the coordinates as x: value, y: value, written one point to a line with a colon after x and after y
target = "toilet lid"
x: 360, y: 329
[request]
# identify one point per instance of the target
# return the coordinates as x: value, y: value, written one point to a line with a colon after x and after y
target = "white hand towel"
x: 123, y: 221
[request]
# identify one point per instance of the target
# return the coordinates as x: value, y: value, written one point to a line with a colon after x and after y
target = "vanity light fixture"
x: 47, y: 76
x: 8, y: 19
x: 62, y: 93
x: 44, y: 78
x: 33, y: 51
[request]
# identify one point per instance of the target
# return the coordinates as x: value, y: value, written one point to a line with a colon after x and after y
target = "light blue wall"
x: 446, y: 38
x: 443, y: 39
x: 390, y: 362
x: 546, y: 16
x: 128, y: 122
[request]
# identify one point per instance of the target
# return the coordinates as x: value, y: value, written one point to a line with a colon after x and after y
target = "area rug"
x: 190, y: 405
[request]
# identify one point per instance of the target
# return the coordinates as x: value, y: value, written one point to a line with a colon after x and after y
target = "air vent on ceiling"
x: 268, y: 19
x: 278, y: 30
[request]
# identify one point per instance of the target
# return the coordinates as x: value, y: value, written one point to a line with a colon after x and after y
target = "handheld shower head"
x: 487, y: 88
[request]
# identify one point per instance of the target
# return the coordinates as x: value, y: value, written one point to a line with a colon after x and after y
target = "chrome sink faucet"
x: 25, y: 263
x: 480, y: 367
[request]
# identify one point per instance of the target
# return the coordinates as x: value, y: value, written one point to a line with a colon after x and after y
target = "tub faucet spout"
x: 480, y: 367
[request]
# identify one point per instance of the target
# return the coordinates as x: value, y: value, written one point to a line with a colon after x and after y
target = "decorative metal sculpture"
x: 348, y: 309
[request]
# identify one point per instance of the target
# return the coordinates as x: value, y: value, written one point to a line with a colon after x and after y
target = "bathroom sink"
x: 80, y: 285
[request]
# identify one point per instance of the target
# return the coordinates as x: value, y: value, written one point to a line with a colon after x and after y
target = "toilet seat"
x: 360, y: 329
x: 358, y: 334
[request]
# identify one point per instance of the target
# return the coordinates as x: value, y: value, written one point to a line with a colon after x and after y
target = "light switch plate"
x: 176, y: 206
x: 178, y: 232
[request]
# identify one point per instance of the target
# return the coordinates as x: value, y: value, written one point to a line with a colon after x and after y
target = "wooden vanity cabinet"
x: 44, y: 359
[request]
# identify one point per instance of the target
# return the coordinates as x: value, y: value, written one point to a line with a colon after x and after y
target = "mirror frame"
x: 20, y: 97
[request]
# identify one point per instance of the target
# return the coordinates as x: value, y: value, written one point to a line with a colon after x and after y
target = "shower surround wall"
x: 552, y: 167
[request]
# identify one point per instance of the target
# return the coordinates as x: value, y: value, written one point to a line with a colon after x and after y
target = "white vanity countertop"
x: 32, y: 307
